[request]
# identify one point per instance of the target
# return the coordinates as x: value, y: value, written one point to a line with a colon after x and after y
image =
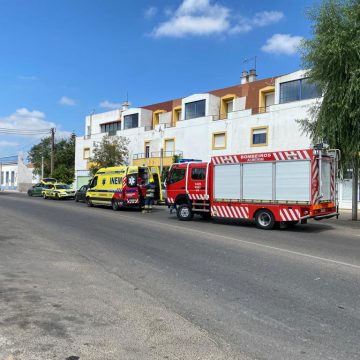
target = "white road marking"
x: 183, y: 229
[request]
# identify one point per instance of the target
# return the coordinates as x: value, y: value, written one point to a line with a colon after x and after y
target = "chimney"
x: 244, y: 77
x: 252, y: 75
x: 125, y: 105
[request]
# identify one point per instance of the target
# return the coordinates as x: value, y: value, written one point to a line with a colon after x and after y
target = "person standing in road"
x: 149, y: 197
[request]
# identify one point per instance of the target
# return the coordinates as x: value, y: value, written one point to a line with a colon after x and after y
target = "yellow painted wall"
x: 262, y: 93
x: 153, y: 161
x: 223, y: 106
x: 155, y: 119
x: 174, y: 115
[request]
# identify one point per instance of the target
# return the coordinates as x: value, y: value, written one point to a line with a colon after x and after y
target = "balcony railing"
x: 260, y: 110
x: 156, y: 154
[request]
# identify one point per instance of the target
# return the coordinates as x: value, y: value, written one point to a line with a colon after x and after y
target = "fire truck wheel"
x: 264, y: 219
x: 115, y: 205
x: 184, y: 212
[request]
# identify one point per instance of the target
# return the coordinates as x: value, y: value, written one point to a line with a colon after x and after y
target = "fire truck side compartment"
x: 287, y: 181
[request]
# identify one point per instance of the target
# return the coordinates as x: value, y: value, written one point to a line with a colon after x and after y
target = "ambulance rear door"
x: 155, y: 172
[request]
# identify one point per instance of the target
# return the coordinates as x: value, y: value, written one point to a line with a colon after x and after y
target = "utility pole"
x: 355, y: 188
x: 161, y: 161
x: 52, y: 150
x: 42, y: 166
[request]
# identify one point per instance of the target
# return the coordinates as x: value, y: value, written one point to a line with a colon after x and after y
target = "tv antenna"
x: 254, y: 58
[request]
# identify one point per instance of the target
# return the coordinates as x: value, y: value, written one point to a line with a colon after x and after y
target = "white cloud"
x: 260, y: 19
x: 150, y: 12
x: 5, y: 143
x: 265, y: 18
x: 206, y: 17
x: 282, y: 44
x: 195, y: 17
x: 66, y: 101
x: 106, y: 104
x: 25, y: 119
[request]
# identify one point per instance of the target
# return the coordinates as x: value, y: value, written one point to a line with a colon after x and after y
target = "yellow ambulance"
x: 123, y: 186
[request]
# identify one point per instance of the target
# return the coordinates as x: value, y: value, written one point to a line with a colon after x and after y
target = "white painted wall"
x: 165, y: 118
x: 22, y: 174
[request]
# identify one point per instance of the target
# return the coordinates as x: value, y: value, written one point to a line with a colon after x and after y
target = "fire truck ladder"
x: 201, y: 206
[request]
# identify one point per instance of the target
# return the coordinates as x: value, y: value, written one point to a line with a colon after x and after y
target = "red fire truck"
x: 283, y: 187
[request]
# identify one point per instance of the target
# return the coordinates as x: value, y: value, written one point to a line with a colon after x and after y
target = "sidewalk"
x: 345, y: 220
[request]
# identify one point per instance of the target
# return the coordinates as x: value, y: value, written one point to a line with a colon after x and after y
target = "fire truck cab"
x: 272, y: 187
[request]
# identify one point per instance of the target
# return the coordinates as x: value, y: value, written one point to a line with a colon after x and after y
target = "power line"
x: 24, y: 131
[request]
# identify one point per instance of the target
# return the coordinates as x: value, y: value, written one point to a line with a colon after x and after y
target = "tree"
x: 63, y: 174
x: 39, y: 151
x: 64, y: 159
x: 333, y: 57
x: 110, y: 151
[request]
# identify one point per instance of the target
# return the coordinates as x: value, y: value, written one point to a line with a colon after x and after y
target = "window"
x: 147, y: 149
x: 259, y: 136
x: 198, y: 173
x: 178, y: 115
x: 89, y: 131
x: 176, y: 175
x: 309, y: 90
x: 93, y: 182
x: 2, y: 177
x: 269, y: 100
x: 169, y: 147
x: 131, y: 121
x: 229, y: 106
x: 12, y: 177
x: 219, y: 141
x: 226, y: 105
x: 7, y: 178
x: 111, y: 128
x: 297, y: 90
x: 156, y: 117
x: 86, y: 153
x: 62, y: 187
x: 195, y: 109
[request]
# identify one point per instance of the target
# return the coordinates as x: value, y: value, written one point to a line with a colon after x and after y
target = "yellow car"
x: 59, y: 191
x: 48, y: 181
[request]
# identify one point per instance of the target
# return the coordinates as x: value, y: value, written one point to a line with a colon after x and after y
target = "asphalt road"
x: 91, y: 283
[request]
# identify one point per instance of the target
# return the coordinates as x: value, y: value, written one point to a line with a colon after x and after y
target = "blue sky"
x: 61, y: 59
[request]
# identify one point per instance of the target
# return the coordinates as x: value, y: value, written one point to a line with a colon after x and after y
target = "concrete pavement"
x: 98, y: 284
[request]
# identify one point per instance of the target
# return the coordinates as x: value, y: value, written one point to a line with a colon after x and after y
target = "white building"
x: 253, y: 116
x: 15, y: 174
